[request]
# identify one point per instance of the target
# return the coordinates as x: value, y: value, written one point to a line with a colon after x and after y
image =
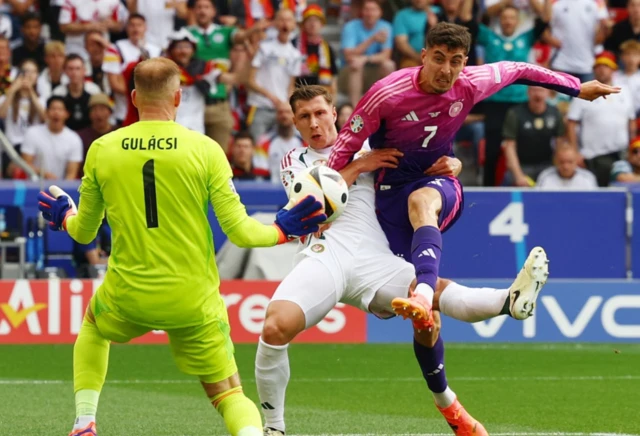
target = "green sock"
x: 240, y: 414
x: 87, y: 402
x: 90, y: 360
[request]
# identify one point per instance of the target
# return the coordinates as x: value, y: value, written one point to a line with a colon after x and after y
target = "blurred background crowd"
x: 66, y: 75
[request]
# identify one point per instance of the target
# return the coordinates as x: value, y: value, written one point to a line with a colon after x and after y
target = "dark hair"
x: 31, y: 16
x: 243, y: 134
x: 136, y: 15
x: 309, y: 92
x: 510, y: 7
x: 73, y: 57
x: 451, y: 35
x: 53, y: 99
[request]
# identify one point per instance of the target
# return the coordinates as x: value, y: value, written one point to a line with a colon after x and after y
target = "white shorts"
x: 368, y: 280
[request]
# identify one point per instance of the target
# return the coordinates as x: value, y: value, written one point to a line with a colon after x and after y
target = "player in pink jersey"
x: 419, y: 110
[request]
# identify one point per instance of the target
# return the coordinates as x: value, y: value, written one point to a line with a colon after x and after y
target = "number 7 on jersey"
x: 432, y: 132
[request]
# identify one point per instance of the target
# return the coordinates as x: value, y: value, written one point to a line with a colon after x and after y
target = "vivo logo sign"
x: 567, y: 311
x: 575, y: 327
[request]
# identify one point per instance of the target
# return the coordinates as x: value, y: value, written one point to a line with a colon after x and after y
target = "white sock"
x: 472, y: 304
x: 83, y: 421
x: 272, y: 377
x: 425, y: 290
x: 250, y: 431
x: 444, y: 399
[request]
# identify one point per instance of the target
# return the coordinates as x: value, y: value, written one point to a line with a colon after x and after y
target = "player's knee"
x: 425, y: 201
x: 280, y: 330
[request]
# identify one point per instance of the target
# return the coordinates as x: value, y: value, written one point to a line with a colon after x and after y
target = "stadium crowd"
x: 66, y: 71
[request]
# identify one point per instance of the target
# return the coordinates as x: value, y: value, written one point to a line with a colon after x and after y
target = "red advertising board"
x: 51, y: 311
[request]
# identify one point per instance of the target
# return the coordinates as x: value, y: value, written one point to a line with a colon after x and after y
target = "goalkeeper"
x: 155, y: 179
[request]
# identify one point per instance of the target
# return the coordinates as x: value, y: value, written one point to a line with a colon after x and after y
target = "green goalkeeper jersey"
x: 155, y: 180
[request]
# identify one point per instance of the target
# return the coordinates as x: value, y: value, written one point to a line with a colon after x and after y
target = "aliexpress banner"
x: 51, y: 311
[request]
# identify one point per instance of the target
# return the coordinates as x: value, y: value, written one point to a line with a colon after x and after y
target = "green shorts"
x: 204, y: 350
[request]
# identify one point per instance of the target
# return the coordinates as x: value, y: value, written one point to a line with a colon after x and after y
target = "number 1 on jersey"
x: 150, y: 200
x: 432, y: 130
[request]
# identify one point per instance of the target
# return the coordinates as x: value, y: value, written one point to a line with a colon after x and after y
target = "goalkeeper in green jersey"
x: 155, y: 180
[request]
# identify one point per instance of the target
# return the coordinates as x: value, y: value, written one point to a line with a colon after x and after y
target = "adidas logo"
x: 434, y: 114
x: 411, y: 116
x: 267, y: 406
x: 428, y: 252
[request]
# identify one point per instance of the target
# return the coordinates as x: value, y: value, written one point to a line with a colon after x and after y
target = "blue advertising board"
x: 584, y: 233
x: 567, y: 311
x: 635, y: 232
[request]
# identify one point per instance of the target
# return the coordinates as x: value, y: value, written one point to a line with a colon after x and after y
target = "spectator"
x: 566, y: 174
x: 273, y: 74
x: 52, y: 149
x: 53, y: 75
x: 95, y: 45
x: 319, y: 66
x: 626, y: 29
x: 7, y: 72
x: 605, y: 125
x: 89, y: 258
x: 79, y: 16
x: 527, y: 11
x: 629, y: 79
x: 31, y: 45
x: 100, y: 111
x: 160, y: 20
x: 214, y: 44
x: 344, y: 112
x: 451, y: 13
x: 121, y: 54
x: 503, y: 46
x: 6, y: 26
x: 577, y: 27
x: 410, y: 27
x: 366, y: 47
x: 238, y: 94
x: 249, y: 13
x: 223, y: 16
x: 628, y: 170
x: 242, y: 159
x: 128, y: 84
x: 197, y: 79
x: 530, y: 131
x: 77, y: 93
x: 20, y: 108
x: 277, y: 143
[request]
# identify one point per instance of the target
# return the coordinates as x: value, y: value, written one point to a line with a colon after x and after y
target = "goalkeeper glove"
x: 300, y: 220
x: 56, y: 209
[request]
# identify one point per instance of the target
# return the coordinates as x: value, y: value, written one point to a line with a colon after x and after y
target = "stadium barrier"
x: 587, y: 234
x: 51, y: 311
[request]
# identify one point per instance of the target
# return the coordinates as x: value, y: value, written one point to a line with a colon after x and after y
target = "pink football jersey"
x: 396, y: 113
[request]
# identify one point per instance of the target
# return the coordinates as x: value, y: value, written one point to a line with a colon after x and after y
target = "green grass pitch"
x: 514, y: 389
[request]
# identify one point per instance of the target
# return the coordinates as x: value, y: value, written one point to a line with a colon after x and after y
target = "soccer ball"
x: 326, y: 185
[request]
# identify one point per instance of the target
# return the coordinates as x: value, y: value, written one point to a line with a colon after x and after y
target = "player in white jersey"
x: 351, y: 263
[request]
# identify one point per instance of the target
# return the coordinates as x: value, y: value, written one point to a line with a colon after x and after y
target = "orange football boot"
x: 416, y: 308
x: 461, y: 422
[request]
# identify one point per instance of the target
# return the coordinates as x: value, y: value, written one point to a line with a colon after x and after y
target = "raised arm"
x: 502, y: 74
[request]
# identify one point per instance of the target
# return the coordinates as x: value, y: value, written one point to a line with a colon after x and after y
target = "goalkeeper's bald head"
x: 157, y: 86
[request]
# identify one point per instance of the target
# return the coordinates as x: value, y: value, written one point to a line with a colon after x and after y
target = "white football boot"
x: 524, y: 291
x: 268, y: 431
